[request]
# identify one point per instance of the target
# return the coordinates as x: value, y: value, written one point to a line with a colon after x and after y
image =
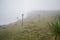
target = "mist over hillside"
x: 34, y: 14
x: 29, y: 19
x: 40, y: 14
x: 32, y: 29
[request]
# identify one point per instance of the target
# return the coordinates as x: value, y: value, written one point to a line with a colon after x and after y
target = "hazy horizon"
x: 10, y: 9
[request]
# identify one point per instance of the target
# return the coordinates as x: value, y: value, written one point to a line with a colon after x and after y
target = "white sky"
x: 10, y: 9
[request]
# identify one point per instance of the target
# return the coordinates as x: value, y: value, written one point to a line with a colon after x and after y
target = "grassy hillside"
x: 31, y: 30
x: 34, y: 28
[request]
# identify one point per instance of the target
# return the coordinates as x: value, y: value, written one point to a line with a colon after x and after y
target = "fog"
x: 11, y: 9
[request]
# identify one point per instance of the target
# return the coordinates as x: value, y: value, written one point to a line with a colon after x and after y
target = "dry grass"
x: 32, y: 30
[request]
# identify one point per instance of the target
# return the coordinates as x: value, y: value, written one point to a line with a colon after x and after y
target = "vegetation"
x: 32, y: 31
x: 55, y: 28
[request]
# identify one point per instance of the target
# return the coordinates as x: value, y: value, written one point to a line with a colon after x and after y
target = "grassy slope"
x: 32, y: 30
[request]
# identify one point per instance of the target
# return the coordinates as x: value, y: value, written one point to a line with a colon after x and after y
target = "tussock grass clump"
x: 55, y: 28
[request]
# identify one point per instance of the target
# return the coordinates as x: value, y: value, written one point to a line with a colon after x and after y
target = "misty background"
x: 11, y: 9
